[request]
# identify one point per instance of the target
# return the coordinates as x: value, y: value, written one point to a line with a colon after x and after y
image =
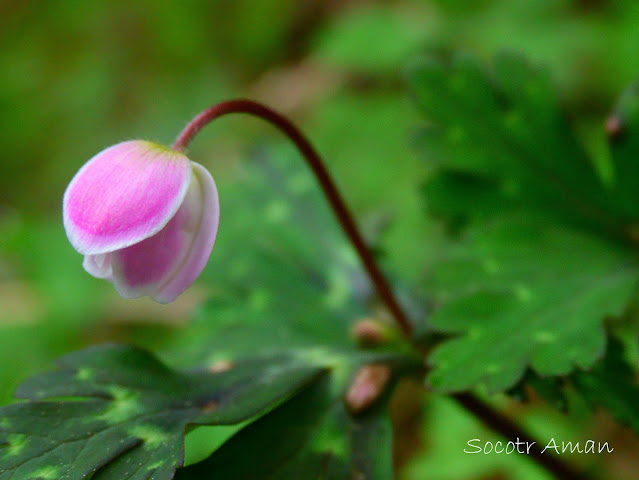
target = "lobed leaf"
x: 542, y: 249
x: 506, y: 136
x: 519, y: 293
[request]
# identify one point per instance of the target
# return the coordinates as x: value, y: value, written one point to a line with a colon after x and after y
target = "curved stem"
x: 330, y: 190
x: 484, y: 412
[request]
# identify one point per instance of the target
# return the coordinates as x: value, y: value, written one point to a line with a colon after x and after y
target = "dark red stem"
x: 513, y: 432
x: 484, y: 412
x: 334, y: 198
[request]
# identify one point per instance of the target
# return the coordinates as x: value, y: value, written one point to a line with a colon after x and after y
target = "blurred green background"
x: 76, y: 77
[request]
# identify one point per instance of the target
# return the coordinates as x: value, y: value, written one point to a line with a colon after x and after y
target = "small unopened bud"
x: 220, y: 366
x: 614, y: 127
x: 210, y: 407
x: 368, y: 385
x: 369, y: 332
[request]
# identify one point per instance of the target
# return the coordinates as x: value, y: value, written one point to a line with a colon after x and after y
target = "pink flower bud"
x: 367, y: 387
x: 145, y: 217
x: 369, y: 332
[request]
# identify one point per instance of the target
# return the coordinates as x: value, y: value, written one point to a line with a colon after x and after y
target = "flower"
x: 145, y: 217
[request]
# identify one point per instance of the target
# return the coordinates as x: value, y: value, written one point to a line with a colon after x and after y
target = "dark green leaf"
x: 612, y: 384
x: 507, y: 132
x: 282, y: 268
x: 622, y: 129
x: 118, y: 412
x: 287, y: 282
x: 316, y: 438
x: 551, y: 389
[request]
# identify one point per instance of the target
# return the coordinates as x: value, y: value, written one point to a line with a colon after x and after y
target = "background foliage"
x: 75, y: 78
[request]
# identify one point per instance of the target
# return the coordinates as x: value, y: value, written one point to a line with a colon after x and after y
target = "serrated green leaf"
x: 522, y: 294
x: 115, y: 412
x: 508, y: 131
x: 542, y: 252
x: 610, y: 383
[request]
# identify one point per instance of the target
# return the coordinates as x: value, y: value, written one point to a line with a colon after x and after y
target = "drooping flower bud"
x: 145, y: 217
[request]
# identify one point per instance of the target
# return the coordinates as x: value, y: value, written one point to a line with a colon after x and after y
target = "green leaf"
x: 286, y: 287
x: 520, y: 294
x: 541, y: 250
x: 551, y: 389
x: 612, y: 384
x: 115, y: 412
x: 285, y: 280
x: 507, y: 135
x: 624, y: 145
x: 316, y: 438
x: 283, y: 275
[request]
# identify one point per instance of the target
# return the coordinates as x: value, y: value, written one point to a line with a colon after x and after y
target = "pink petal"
x: 123, y: 195
x: 98, y: 265
x: 165, y: 265
x: 202, y: 242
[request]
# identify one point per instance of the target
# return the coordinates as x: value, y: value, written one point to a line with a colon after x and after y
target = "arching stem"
x: 484, y: 412
x: 328, y: 186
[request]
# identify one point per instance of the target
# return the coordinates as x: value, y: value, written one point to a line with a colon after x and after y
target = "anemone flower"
x: 145, y: 217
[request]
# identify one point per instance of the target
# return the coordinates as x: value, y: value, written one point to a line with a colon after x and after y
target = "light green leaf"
x: 519, y: 293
